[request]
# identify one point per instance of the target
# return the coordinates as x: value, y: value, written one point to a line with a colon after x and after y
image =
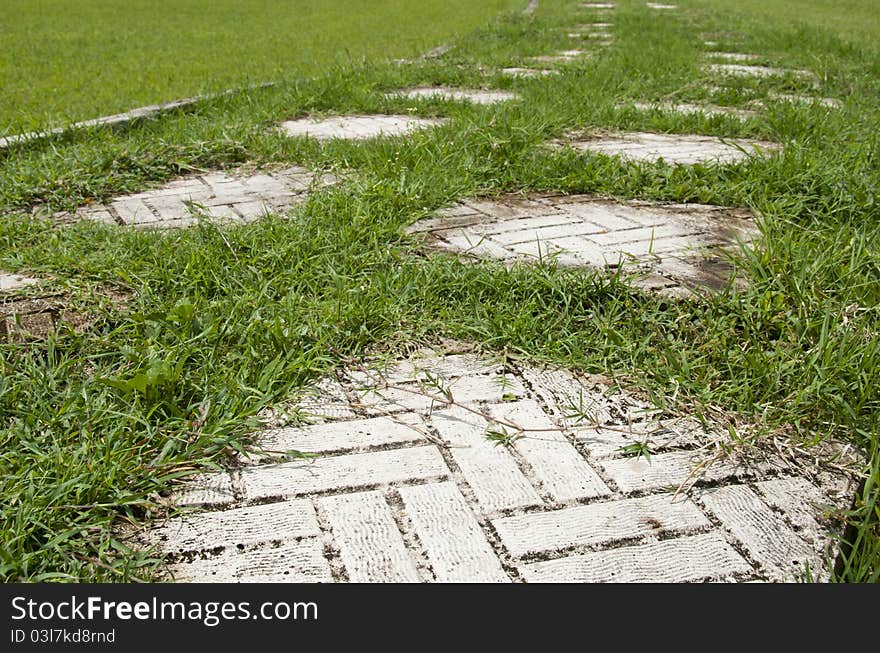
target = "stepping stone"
x: 733, y: 56
x: 722, y: 90
x: 673, y: 247
x: 564, y: 56
x: 36, y: 316
x: 675, y: 149
x: 357, y: 127
x: 657, y: 5
x: 28, y: 320
x: 597, y: 5
x: 426, y: 495
x: 10, y: 282
x: 831, y: 103
x: 740, y: 70
x: 217, y: 196
x: 599, y: 37
x: 474, y: 96
x: 528, y: 72
x: 692, y: 109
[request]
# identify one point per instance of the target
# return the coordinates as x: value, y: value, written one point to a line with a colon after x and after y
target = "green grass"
x: 856, y: 21
x: 66, y: 60
x: 224, y: 323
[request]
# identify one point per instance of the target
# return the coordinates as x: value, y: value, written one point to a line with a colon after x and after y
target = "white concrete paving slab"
x: 737, y: 57
x: 454, y: 542
x: 780, y: 552
x: 744, y: 70
x: 215, y: 489
x: 475, y: 96
x: 333, y: 437
x: 669, y: 245
x: 682, y: 559
x: 357, y: 127
x: 371, y: 546
x: 563, y: 56
x: 516, y: 71
x: 331, y: 473
x: 660, y: 6
x: 250, y: 525
x: 603, y: 37
x: 675, y: 149
x: 217, y: 196
x: 299, y: 561
x: 691, y: 109
x: 598, y: 524
x: 10, y: 281
x: 794, y: 98
x: 530, y: 8
x: 492, y: 473
x: 410, y: 396
x: 563, y: 500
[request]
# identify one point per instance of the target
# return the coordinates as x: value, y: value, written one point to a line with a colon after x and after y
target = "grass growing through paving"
x: 66, y: 60
x: 225, y: 322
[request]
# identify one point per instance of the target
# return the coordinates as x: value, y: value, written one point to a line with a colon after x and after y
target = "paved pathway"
x: 683, y: 149
x: 475, y: 96
x: 506, y: 472
x: 357, y: 127
x: 516, y: 71
x: 745, y: 70
x: 217, y: 196
x: 10, y: 282
x: 409, y: 487
x: 21, y: 318
x: 33, y: 316
x: 676, y: 247
x: 563, y: 56
x: 691, y: 109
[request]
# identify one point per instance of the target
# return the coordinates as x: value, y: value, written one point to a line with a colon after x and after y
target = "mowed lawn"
x: 65, y: 60
x: 857, y: 21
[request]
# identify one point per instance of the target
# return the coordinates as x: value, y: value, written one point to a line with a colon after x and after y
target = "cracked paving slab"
x: 410, y: 483
x: 673, y: 248
x: 10, y: 282
x: 675, y: 149
x: 475, y: 96
x: 357, y: 127
x: 34, y: 316
x: 216, y: 196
